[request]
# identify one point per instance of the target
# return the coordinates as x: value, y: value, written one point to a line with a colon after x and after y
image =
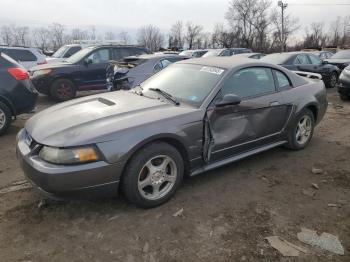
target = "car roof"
x: 151, y: 56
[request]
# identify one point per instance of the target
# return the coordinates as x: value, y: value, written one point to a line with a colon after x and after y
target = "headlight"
x: 69, y: 156
x: 41, y: 72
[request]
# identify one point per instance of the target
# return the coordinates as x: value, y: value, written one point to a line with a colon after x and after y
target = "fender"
x: 7, y: 102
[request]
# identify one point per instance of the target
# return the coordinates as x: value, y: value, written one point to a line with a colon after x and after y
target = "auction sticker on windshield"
x: 212, y: 70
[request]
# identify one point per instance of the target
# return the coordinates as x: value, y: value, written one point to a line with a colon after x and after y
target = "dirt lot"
x: 227, y: 212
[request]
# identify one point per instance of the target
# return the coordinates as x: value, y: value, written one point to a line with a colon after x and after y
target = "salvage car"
x: 305, y: 61
x: 193, y: 53
x: 17, y: 94
x: 250, y: 55
x: 85, y: 70
x: 226, y: 52
x: 131, y: 71
x: 340, y: 59
x: 193, y: 116
x: 344, y: 84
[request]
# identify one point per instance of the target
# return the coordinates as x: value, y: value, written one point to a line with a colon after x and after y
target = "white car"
x: 26, y: 56
x: 65, y: 52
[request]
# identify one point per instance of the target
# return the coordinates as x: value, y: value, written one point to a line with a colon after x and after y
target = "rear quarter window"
x: 21, y: 55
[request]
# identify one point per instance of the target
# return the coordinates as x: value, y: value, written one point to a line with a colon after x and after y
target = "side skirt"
x: 235, y: 158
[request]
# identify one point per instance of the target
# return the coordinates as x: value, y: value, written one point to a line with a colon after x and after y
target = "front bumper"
x: 92, y: 180
x: 42, y: 83
x: 344, y: 84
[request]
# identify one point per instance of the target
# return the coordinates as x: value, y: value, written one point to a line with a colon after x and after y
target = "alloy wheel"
x: 304, y: 130
x: 157, y: 177
x: 2, y: 119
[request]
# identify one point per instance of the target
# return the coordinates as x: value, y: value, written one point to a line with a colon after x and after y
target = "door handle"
x: 275, y: 103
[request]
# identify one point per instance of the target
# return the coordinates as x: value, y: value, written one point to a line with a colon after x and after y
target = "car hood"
x: 97, y: 118
x: 52, y: 65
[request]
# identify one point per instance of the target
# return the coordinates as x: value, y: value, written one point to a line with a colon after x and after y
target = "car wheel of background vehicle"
x: 5, y: 118
x: 344, y: 97
x: 63, y: 90
x: 333, y: 80
x: 300, y: 134
x: 153, y: 175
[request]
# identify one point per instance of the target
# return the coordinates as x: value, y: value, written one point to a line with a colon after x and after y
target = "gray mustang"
x: 193, y: 116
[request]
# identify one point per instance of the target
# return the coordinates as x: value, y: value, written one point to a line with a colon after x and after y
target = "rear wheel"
x: 153, y: 175
x: 300, y: 134
x: 5, y: 118
x: 63, y: 90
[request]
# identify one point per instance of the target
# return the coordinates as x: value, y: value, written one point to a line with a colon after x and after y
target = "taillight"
x: 43, y: 62
x: 18, y: 73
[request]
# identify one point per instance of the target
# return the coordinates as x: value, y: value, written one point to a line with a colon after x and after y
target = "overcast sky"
x: 135, y: 13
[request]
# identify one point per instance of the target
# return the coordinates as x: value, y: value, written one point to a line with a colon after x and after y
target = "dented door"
x: 234, y: 129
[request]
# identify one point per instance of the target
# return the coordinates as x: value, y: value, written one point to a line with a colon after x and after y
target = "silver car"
x: 194, y: 116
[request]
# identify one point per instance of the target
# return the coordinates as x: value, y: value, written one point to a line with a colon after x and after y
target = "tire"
x: 299, y: 142
x: 63, y: 90
x: 333, y: 80
x: 5, y: 118
x: 344, y: 97
x: 139, y: 183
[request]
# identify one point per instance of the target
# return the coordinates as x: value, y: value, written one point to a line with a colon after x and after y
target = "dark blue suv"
x: 17, y: 94
x: 85, y: 70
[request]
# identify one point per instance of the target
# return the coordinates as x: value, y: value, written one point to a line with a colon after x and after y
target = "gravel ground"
x: 227, y: 213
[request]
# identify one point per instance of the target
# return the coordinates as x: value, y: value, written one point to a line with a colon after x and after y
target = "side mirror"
x: 229, y: 100
x: 324, y: 62
x: 87, y: 61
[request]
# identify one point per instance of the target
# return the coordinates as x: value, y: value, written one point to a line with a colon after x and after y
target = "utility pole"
x: 283, y: 7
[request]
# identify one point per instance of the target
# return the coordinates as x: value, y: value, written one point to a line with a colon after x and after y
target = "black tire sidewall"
x: 292, y: 142
x: 8, y: 116
x: 134, y: 166
x: 55, y: 85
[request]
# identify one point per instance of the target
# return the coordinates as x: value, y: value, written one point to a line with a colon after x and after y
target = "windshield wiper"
x: 166, y: 95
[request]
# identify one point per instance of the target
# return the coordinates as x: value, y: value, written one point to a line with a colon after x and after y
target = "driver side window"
x: 250, y: 82
x: 99, y: 56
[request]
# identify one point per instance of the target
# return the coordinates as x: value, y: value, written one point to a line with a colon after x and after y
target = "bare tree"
x: 176, y: 38
x: 193, y: 32
x: 20, y: 35
x: 150, y: 37
x: 57, y: 35
x: 7, y: 35
x: 124, y: 37
x: 109, y: 35
x: 42, y: 38
x: 316, y: 37
x: 78, y: 34
x: 291, y: 25
x: 92, y: 33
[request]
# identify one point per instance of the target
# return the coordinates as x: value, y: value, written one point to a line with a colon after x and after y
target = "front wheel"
x: 333, y: 80
x: 301, y: 132
x: 153, y: 175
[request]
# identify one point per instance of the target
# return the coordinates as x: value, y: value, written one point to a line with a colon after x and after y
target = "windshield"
x: 342, y: 55
x: 60, y: 52
x: 79, y: 55
x: 276, y: 59
x: 187, y: 83
x: 213, y: 53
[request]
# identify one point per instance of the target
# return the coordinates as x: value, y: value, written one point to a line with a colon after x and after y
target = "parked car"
x: 193, y: 53
x: 323, y: 54
x: 304, y: 61
x: 191, y: 117
x: 132, y: 71
x: 250, y: 55
x: 344, y: 84
x: 26, y: 56
x: 85, y: 70
x: 340, y: 59
x: 226, y: 52
x: 17, y: 94
x: 65, y: 52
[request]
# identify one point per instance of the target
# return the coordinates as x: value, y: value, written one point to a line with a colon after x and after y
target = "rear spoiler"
x: 309, y: 75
